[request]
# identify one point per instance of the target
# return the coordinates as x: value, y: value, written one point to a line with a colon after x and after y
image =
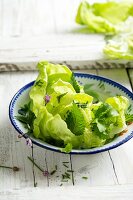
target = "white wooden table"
x: 30, y: 31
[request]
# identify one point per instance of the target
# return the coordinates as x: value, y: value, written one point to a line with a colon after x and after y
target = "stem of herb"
x: 15, y: 169
x: 35, y: 164
x: 85, y: 177
x: 70, y: 171
x: 65, y: 165
x: 6, y: 167
x: 53, y: 172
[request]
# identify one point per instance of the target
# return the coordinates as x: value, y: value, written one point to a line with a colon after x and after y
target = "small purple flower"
x: 29, y: 142
x: 45, y: 173
x: 47, y: 98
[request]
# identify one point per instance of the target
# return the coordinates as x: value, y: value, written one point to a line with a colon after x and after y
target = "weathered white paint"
x: 121, y: 156
x: 78, y: 193
x: 36, y: 30
x: 105, y: 169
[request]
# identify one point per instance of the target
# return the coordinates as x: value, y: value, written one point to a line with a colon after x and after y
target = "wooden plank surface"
x: 36, y: 30
x: 64, y: 193
x: 102, y: 169
x: 121, y: 155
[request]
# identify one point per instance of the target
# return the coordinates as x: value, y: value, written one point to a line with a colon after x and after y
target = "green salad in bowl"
x: 64, y: 113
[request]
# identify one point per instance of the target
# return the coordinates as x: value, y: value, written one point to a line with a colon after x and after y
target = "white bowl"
x: 105, y: 87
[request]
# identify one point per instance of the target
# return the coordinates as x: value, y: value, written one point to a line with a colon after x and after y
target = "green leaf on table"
x: 120, y: 46
x: 106, y: 17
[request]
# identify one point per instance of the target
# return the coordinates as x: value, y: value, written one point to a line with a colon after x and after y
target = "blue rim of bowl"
x: 57, y: 149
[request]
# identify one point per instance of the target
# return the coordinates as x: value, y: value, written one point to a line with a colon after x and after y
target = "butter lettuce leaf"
x: 104, y: 17
x: 38, y: 90
x: 121, y: 45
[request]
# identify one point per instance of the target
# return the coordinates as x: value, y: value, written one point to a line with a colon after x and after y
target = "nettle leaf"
x: 75, y: 120
x: 75, y: 84
x: 60, y: 96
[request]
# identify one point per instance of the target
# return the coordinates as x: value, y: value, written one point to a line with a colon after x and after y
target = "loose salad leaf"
x: 120, y: 46
x: 115, y: 20
x: 104, y: 17
x: 62, y: 114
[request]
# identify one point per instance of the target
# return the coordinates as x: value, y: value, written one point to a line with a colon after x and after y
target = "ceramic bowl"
x: 102, y: 86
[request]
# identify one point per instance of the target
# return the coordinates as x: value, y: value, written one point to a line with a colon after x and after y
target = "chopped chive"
x: 6, y: 167
x: 15, y: 169
x: 85, y: 177
x: 64, y: 180
x: 53, y: 172
x: 32, y: 160
x: 61, y: 184
x: 65, y: 162
x: 70, y: 170
x: 35, y: 185
x: 55, y: 167
x: 67, y: 174
x: 65, y: 165
x: 64, y: 176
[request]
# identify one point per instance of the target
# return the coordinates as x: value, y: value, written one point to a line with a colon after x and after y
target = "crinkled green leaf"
x: 75, y: 120
x: 104, y: 17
